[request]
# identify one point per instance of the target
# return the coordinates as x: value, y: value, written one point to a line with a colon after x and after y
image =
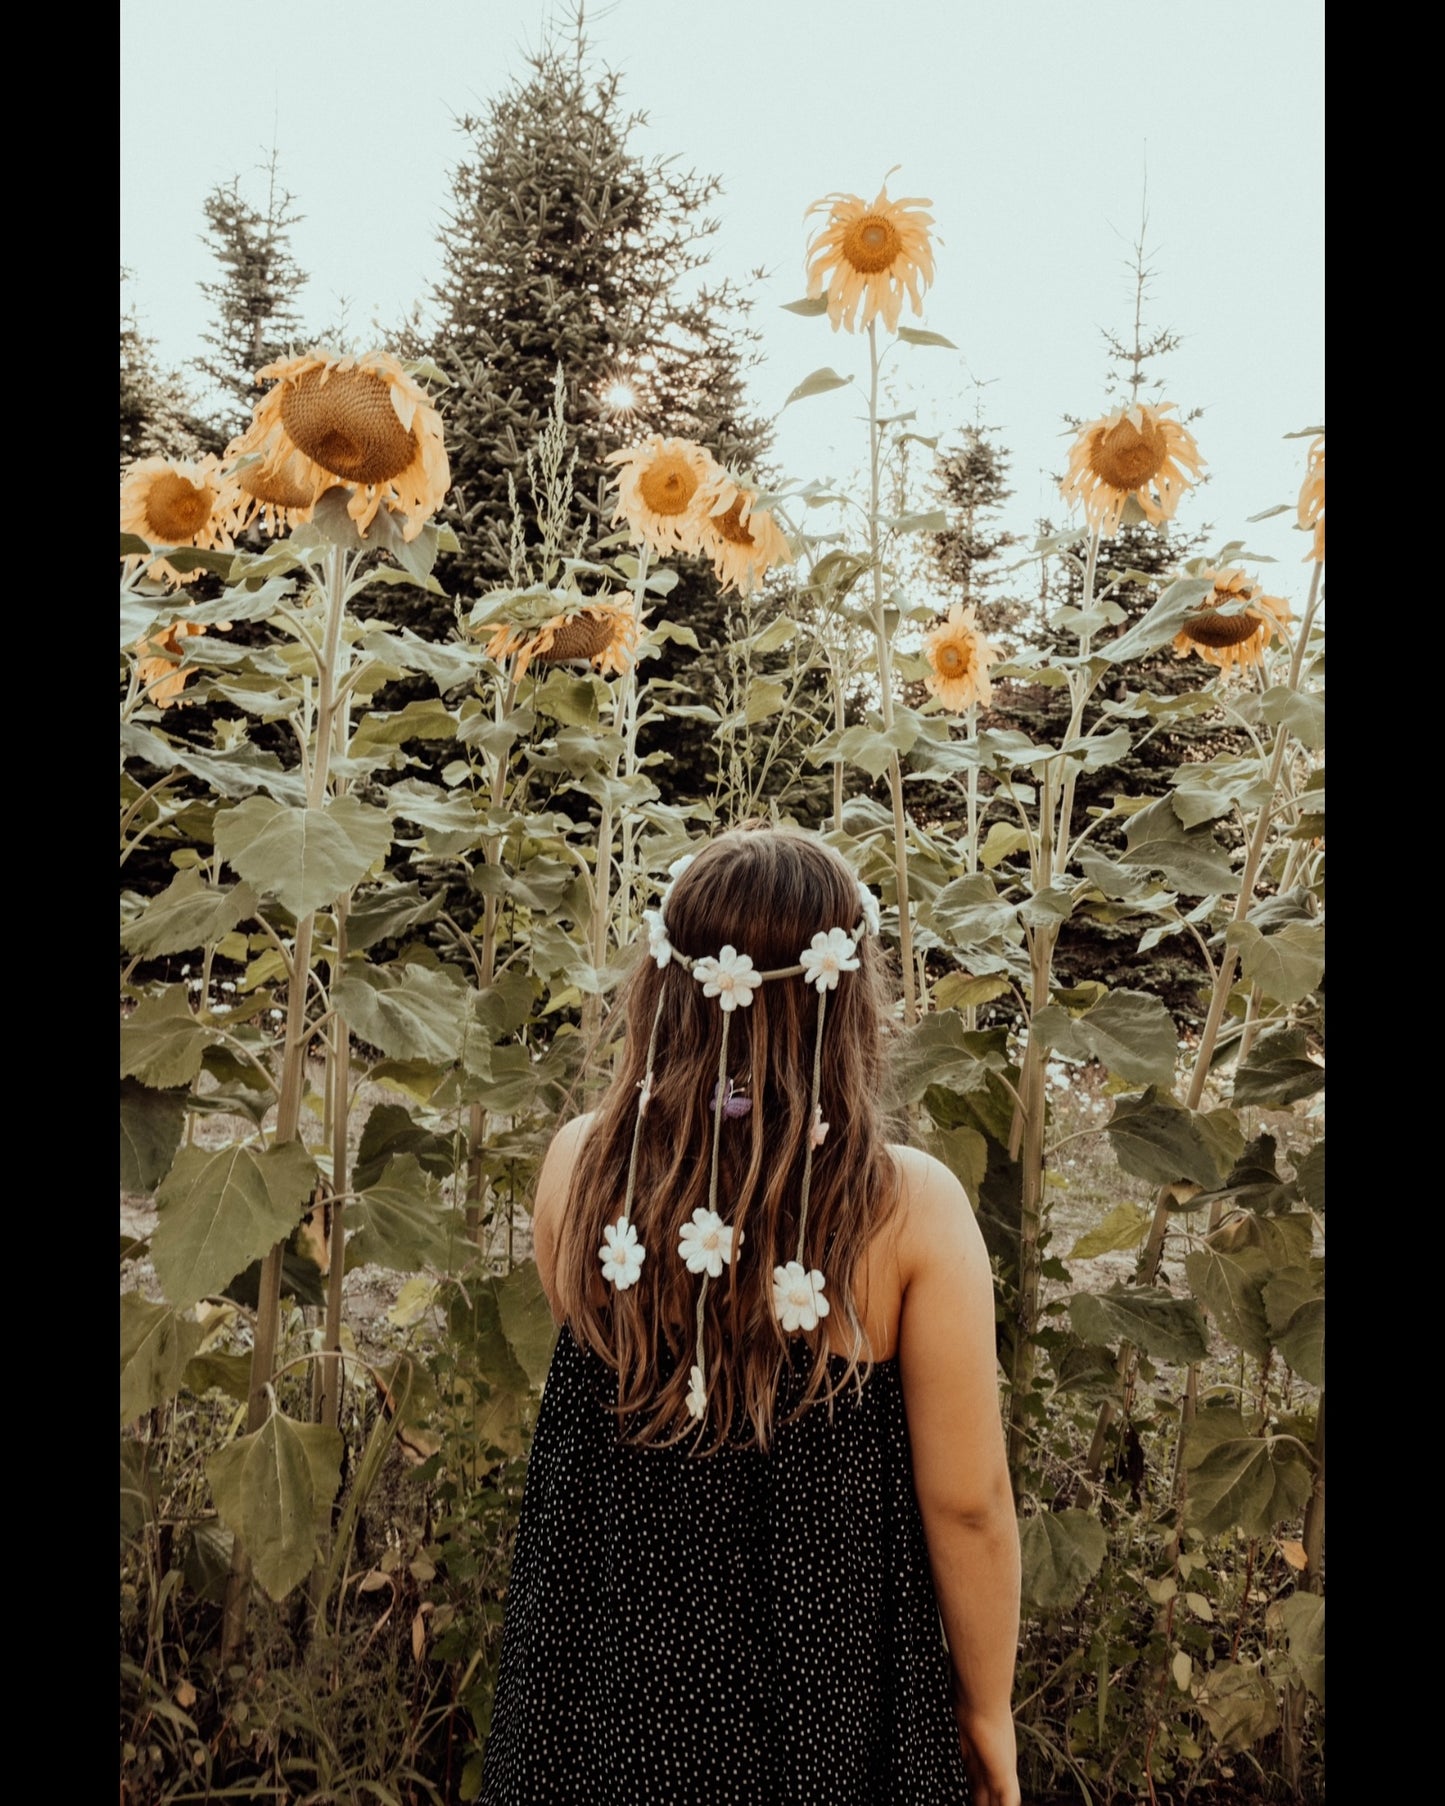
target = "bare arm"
x: 550, y: 1200
x: 949, y: 1370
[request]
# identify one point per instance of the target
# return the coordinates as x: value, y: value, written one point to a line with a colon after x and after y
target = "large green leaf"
x: 408, y: 1010
x: 1131, y: 1032
x: 970, y: 911
x: 155, y: 1344
x: 965, y: 1153
x: 1062, y: 1551
x: 818, y: 383
x: 1302, y: 1341
x: 1158, y: 1139
x: 448, y: 819
x: 161, y: 1042
x: 388, y: 912
x: 271, y: 1488
x: 1229, y: 1287
x: 1124, y: 1227
x: 1159, y: 626
x: 1280, y: 1070
x: 1254, y: 1183
x: 1188, y: 858
x: 526, y: 1320
x: 377, y: 732
x: 221, y: 1209
x: 1309, y: 1175
x: 448, y: 663
x: 238, y: 771
x: 150, y: 1132
x: 1301, y: 712
x: 1239, y: 1705
x: 306, y: 858
x: 1205, y: 792
x: 391, y: 1131
x: 188, y: 913
x: 1303, y: 1617
x: 1286, y: 965
x: 1165, y: 1327
x: 1248, y: 1483
x: 397, y: 1222
x: 942, y: 1051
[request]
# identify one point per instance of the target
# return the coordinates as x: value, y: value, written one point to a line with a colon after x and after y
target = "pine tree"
x: 157, y: 413
x: 254, y: 299
x: 565, y: 247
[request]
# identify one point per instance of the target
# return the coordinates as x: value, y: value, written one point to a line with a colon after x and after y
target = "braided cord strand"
x: 717, y: 1115
x: 812, y: 1125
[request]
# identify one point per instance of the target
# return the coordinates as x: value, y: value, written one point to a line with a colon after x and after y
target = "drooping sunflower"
x: 279, y: 494
x: 742, y: 540
x: 1312, y: 500
x: 869, y: 257
x: 658, y: 491
x: 158, y: 668
x: 958, y: 659
x: 603, y: 633
x: 1135, y: 451
x: 178, y: 502
x: 1232, y: 641
x: 359, y: 421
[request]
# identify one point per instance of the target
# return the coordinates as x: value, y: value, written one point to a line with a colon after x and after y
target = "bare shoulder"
x: 549, y: 1200
x: 935, y: 1213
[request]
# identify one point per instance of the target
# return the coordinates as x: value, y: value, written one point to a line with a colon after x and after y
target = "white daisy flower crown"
x: 707, y: 1243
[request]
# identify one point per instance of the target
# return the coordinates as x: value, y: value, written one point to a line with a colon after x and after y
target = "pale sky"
x: 1029, y: 123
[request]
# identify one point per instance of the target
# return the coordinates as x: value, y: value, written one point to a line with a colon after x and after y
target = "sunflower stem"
x: 292, y: 1092
x: 885, y: 687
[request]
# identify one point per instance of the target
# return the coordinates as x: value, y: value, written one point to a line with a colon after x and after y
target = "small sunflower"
x: 176, y: 502
x: 158, y: 668
x: 1232, y: 641
x: 1135, y: 451
x: 280, y: 493
x: 1312, y: 500
x: 958, y: 659
x: 360, y: 421
x: 603, y: 633
x: 742, y: 539
x: 869, y: 257
x: 658, y: 489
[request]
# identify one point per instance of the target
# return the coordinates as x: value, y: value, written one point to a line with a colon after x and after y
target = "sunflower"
x: 158, y: 669
x: 869, y: 257
x: 280, y: 493
x: 1312, y: 500
x: 958, y: 659
x: 360, y: 421
x: 174, y: 502
x: 603, y: 633
x: 1134, y: 451
x: 742, y: 539
x: 1232, y: 641
x: 658, y: 491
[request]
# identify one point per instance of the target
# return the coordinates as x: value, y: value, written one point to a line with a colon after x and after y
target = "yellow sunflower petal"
x: 178, y: 502
x: 1136, y: 451
x: 867, y: 258
x: 659, y: 485
x: 958, y: 659
x: 1238, y: 640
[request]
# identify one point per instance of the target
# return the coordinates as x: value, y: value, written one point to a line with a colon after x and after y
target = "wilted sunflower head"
x: 958, y: 659
x: 178, y: 502
x: 602, y: 633
x: 869, y: 257
x: 1312, y: 501
x: 658, y: 491
x: 1235, y: 640
x: 1136, y: 451
x: 359, y: 421
x: 158, y: 663
x: 742, y: 540
x: 279, y: 493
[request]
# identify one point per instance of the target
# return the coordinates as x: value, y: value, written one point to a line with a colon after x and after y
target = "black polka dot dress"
x: 747, y: 1629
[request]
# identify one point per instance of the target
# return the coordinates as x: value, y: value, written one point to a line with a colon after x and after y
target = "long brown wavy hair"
x: 766, y: 892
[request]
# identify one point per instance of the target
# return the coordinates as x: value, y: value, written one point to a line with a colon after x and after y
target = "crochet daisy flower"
x: 868, y: 903
x: 621, y: 1254
x: 830, y: 954
x: 730, y: 978
x: 644, y: 1095
x: 696, y: 1393
x: 798, y: 1300
x: 705, y: 1243
x: 658, y: 944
